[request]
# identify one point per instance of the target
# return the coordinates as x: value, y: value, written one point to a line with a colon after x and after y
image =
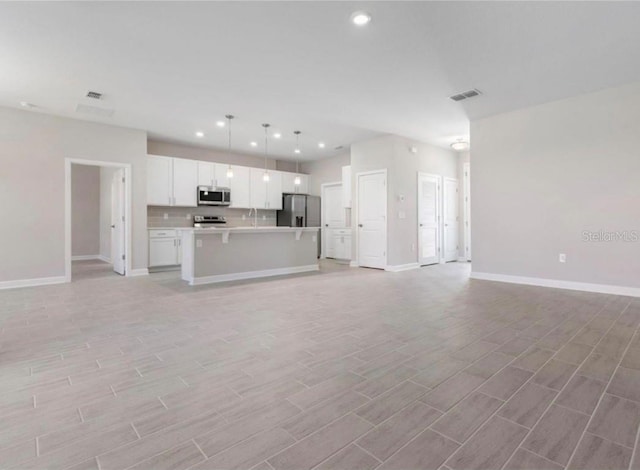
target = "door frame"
x: 444, y: 211
x: 439, y: 208
x: 466, y: 208
x: 67, y: 210
x: 323, y: 228
x: 356, y: 215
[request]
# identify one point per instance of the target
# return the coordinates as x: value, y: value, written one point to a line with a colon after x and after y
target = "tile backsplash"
x: 183, y: 216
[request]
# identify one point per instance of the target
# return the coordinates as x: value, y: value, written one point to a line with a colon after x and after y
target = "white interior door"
x: 450, y: 210
x: 467, y: 211
x: 333, y: 216
x: 372, y: 219
x: 117, y: 221
x: 428, y: 219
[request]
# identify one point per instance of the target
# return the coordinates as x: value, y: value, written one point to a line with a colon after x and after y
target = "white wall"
x: 327, y: 170
x: 33, y: 148
x: 463, y: 157
x: 106, y: 176
x: 543, y: 175
x: 394, y: 153
x: 85, y: 210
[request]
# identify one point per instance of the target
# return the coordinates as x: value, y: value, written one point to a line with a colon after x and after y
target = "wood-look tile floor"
x: 341, y: 369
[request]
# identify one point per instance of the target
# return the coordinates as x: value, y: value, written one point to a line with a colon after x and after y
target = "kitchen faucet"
x: 255, y: 216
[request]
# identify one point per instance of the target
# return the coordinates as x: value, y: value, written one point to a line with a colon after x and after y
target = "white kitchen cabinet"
x: 266, y: 194
x: 206, y: 173
x: 339, y: 244
x: 274, y: 191
x: 240, y: 186
x: 163, y: 252
x: 346, y: 186
x: 159, y: 181
x: 221, y: 179
x: 171, y: 181
x: 185, y: 182
x: 289, y: 186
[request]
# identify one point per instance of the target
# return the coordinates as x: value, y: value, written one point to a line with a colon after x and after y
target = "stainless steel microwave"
x: 212, y: 196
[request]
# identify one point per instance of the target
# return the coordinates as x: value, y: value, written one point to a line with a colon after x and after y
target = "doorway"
x: 333, y: 216
x: 429, y: 219
x: 450, y: 219
x: 106, y: 202
x: 371, y: 219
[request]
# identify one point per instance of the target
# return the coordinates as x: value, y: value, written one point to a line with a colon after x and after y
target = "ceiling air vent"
x: 465, y: 95
x: 94, y: 95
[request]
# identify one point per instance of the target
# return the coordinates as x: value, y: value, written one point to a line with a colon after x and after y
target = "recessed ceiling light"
x: 296, y: 151
x: 321, y: 145
x: 360, y: 18
x: 254, y: 144
x: 199, y: 134
x: 220, y: 123
x: 277, y: 135
x: 26, y: 104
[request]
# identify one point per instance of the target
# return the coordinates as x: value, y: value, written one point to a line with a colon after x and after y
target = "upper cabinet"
x: 171, y: 181
x: 185, y: 182
x: 289, y: 183
x: 159, y: 181
x: 206, y: 174
x: 266, y: 194
x: 346, y: 186
x: 240, y: 186
x: 174, y: 181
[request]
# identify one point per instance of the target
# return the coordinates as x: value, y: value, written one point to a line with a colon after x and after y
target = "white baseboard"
x: 558, y: 284
x: 462, y: 259
x: 42, y: 281
x: 253, y: 274
x: 138, y: 272
x: 402, y: 267
x: 104, y: 258
x: 84, y: 257
x: 354, y: 264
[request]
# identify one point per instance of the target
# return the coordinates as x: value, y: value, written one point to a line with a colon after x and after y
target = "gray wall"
x: 394, y: 153
x: 169, y: 149
x: 106, y: 175
x: 33, y: 147
x: 85, y: 210
x: 544, y: 174
x: 328, y: 170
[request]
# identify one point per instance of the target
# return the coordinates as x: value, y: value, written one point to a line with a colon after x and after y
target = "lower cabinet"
x: 165, y: 248
x: 338, y: 244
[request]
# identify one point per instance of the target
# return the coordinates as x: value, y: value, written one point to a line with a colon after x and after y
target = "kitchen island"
x: 221, y: 254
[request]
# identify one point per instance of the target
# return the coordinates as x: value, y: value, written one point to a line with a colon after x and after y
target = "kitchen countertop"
x: 249, y: 229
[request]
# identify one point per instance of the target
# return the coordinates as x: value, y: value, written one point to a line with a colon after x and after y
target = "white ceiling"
x: 175, y: 68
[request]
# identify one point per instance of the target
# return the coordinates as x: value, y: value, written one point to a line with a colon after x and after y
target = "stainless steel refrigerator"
x: 300, y: 210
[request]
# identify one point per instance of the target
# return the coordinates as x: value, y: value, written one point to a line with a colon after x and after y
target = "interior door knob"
x: 359, y: 225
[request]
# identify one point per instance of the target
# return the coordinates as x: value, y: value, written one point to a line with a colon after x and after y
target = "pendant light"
x: 265, y: 176
x: 229, y: 170
x: 297, y: 180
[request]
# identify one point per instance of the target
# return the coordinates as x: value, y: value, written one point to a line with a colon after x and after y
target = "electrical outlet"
x: 166, y: 216
x: 402, y: 215
x: 315, y: 238
x: 198, y: 243
x: 413, y: 247
x: 188, y: 216
x: 264, y: 217
x: 562, y: 258
x: 244, y: 217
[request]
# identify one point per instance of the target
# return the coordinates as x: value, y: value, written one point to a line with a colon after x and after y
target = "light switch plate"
x: 562, y: 258
x: 166, y: 216
x: 402, y: 215
x: 198, y: 243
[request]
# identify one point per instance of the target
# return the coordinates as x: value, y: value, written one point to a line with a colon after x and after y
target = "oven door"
x: 208, y: 196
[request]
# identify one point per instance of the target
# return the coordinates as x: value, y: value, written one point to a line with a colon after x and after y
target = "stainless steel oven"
x: 212, y: 196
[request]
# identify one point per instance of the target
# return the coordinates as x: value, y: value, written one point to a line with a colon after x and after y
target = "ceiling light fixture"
x: 26, y: 104
x: 460, y: 145
x: 265, y: 176
x: 277, y: 135
x: 297, y: 180
x: 229, y: 170
x: 220, y: 123
x: 321, y: 145
x: 200, y: 134
x: 254, y: 144
x: 360, y: 18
